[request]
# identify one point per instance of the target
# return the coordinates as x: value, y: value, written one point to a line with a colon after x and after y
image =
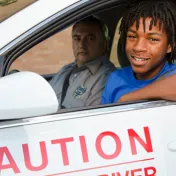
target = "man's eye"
x: 76, y: 38
x: 131, y: 36
x: 90, y: 38
x: 153, y: 39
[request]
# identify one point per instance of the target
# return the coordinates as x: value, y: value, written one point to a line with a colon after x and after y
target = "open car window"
x: 10, y: 7
x: 53, y: 53
x: 48, y: 57
x: 49, y: 54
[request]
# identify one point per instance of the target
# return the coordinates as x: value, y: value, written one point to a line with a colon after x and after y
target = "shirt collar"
x: 95, y: 64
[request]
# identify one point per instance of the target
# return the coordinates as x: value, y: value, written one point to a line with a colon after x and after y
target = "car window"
x: 52, y: 54
x: 10, y: 7
x: 48, y: 56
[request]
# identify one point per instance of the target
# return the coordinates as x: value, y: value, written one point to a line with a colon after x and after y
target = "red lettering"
x: 99, y: 147
x: 133, y: 135
x: 84, y: 149
x: 27, y: 158
x: 134, y: 171
x: 127, y: 173
x: 12, y: 164
x: 150, y: 171
x: 116, y: 174
x: 63, y: 146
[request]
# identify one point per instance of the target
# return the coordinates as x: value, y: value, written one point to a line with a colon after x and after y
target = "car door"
x: 125, y: 139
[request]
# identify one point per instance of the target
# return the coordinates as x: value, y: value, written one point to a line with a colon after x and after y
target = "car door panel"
x: 131, y: 142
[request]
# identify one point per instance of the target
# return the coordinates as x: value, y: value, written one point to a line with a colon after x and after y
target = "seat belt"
x: 64, y: 89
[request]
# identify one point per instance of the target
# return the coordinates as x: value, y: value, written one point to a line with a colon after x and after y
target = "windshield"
x: 10, y: 7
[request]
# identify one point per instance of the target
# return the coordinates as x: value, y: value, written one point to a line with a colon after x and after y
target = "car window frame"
x: 40, y: 32
x: 86, y: 112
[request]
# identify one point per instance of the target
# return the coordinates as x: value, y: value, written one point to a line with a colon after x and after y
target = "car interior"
x: 109, y: 13
x: 115, y: 53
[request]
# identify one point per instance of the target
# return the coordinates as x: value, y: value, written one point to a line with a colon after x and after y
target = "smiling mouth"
x: 139, y: 58
x: 83, y: 52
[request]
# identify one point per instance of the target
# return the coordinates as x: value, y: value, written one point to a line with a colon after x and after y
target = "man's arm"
x: 164, y: 88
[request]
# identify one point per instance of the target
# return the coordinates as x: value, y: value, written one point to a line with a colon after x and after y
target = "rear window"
x: 10, y: 7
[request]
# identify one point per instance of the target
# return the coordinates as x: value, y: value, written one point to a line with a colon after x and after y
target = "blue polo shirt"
x: 123, y: 81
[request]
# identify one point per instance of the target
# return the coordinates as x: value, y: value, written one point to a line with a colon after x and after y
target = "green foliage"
x: 7, y: 2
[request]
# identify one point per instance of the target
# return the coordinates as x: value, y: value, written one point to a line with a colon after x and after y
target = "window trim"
x: 86, y: 112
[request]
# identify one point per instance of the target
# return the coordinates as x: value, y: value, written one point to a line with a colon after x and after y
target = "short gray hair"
x: 95, y: 20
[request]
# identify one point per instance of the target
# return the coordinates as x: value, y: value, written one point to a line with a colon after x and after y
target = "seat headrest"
x: 122, y: 57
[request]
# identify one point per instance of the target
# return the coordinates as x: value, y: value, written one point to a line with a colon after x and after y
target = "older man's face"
x: 87, y: 42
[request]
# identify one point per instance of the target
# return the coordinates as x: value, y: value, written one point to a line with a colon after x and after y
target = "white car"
x: 125, y: 139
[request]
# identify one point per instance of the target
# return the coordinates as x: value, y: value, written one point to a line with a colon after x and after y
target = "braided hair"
x: 161, y: 11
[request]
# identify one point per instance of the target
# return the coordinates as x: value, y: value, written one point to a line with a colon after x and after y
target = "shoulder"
x: 108, y: 65
x: 68, y: 66
x: 61, y: 73
x: 172, y: 70
x: 101, y: 69
x: 119, y: 75
x: 121, y: 72
x: 172, y: 67
x: 106, y: 68
x: 169, y: 70
x: 65, y: 68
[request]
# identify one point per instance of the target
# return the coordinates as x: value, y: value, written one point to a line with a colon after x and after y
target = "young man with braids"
x: 148, y: 37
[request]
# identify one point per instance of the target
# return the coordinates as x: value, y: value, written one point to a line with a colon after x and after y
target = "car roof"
x: 29, y: 17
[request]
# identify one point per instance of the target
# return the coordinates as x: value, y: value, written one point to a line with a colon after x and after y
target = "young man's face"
x: 87, y: 42
x: 146, y: 51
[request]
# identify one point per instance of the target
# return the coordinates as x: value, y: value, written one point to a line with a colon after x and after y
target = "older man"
x: 82, y: 82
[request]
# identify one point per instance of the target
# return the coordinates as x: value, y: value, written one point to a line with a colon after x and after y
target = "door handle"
x: 172, y: 146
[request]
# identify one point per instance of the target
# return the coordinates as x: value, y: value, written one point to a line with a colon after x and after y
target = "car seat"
x: 122, y: 58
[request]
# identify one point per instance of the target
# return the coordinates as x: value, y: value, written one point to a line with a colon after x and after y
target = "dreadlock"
x: 162, y: 11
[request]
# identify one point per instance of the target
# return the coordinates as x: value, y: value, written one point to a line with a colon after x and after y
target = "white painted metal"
x: 82, y: 155
x: 24, y: 20
x: 26, y: 94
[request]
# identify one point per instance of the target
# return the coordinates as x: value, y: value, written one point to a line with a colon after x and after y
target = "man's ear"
x: 169, y: 49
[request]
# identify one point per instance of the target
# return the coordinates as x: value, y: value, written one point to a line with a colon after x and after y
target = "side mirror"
x: 26, y: 94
